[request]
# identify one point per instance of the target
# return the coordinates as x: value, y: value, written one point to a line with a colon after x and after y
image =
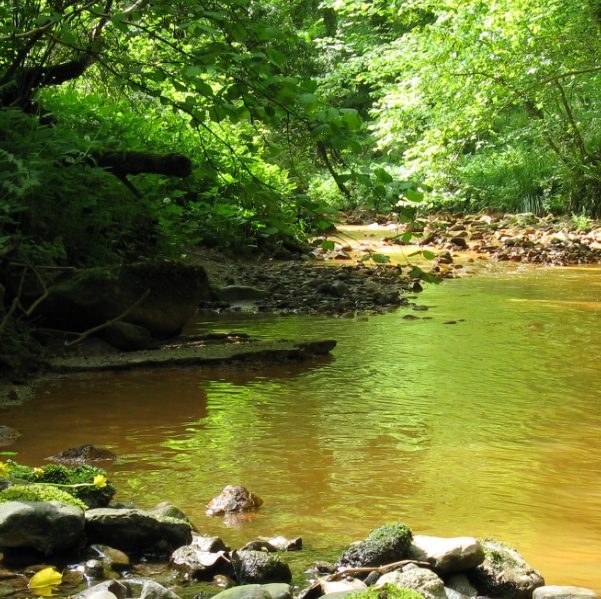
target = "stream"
x: 487, y: 427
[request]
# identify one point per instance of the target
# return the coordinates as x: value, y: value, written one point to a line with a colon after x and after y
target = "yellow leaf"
x: 42, y: 582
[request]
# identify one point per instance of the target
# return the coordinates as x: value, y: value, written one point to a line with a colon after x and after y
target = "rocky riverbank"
x: 108, y: 552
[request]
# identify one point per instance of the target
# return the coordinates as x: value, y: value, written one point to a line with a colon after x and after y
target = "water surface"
x: 487, y: 427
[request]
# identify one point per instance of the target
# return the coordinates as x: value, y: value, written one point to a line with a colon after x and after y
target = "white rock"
x: 558, y: 592
x: 447, y: 555
x: 337, y: 586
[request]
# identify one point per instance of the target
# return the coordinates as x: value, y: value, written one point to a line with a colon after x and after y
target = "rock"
x: 83, y: 455
x: 94, y: 568
x: 83, y: 299
x: 117, y: 589
x: 6, y: 589
x: 233, y: 499
x: 167, y: 509
x: 558, y: 592
x: 283, y: 544
x: 384, y: 545
x: 447, y: 555
x: 111, y: 557
x: 210, y: 544
x: 136, y: 530
x: 504, y: 573
x: 127, y: 336
x: 232, y: 294
x: 459, y: 242
x: 259, y: 545
x: 47, y: 527
x: 153, y: 590
x: 421, y: 580
x: 8, y: 435
x: 352, y: 585
x: 193, y: 562
x: 257, y: 567
x: 460, y: 584
x: 257, y: 591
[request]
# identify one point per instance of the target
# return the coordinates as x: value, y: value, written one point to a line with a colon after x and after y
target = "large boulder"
x: 504, y: 573
x: 257, y: 567
x: 47, y: 527
x: 447, y: 555
x: 136, y: 530
x: 385, y: 545
x: 421, y: 580
x: 171, y: 292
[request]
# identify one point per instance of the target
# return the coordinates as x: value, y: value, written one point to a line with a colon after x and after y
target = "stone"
x: 170, y: 293
x: 8, y: 435
x: 114, y: 559
x: 46, y: 527
x: 459, y: 242
x: 460, y: 584
x: 284, y: 544
x: 257, y: 567
x: 563, y: 592
x: 193, y: 562
x: 136, y: 530
x: 233, y: 499
x: 352, y: 585
x: 210, y: 544
x: 257, y: 591
x: 165, y: 508
x: 116, y: 588
x: 447, y: 555
x: 258, y: 545
x: 504, y: 573
x: 94, y: 568
x: 384, y: 545
x: 153, y: 590
x: 421, y: 580
x: 83, y: 455
x: 127, y: 336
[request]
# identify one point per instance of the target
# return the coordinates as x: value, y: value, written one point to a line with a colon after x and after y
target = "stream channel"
x: 487, y: 427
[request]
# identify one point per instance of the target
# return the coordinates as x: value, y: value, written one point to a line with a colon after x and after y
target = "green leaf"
x: 428, y: 255
x: 328, y: 245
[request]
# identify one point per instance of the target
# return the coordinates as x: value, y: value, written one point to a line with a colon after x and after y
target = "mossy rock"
x: 257, y: 567
x: 39, y: 492
x: 383, y: 545
x: 91, y: 496
x: 389, y: 591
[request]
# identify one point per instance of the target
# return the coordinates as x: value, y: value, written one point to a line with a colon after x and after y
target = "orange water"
x: 487, y: 427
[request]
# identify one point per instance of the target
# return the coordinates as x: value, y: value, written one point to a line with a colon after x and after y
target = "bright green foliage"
x: 388, y: 591
x: 39, y: 493
x: 396, y: 531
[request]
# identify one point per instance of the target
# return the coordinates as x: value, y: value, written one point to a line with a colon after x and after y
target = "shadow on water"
x: 487, y: 427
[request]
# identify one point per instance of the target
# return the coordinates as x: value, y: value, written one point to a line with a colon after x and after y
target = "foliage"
x: 86, y: 483
x: 396, y: 532
x: 39, y: 492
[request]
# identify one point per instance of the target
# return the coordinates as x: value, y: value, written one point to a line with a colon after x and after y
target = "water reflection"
x: 486, y: 427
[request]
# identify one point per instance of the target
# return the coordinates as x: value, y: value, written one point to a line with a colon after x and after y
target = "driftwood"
x: 308, y: 592
x: 108, y: 323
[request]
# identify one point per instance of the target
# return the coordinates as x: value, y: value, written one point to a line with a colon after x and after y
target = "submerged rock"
x: 260, y: 568
x: 83, y: 455
x: 447, y: 555
x: 384, y: 545
x: 136, y: 531
x: 46, y: 527
x: 233, y: 499
x: 115, y: 559
x: 8, y: 435
x: 284, y: 544
x: 504, y: 573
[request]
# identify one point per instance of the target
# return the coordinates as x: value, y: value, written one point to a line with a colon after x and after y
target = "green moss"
x: 63, y: 475
x: 396, y: 532
x: 39, y: 492
x: 388, y: 591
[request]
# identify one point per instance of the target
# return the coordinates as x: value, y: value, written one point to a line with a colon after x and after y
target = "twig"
x: 108, y: 323
x: 379, y: 569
